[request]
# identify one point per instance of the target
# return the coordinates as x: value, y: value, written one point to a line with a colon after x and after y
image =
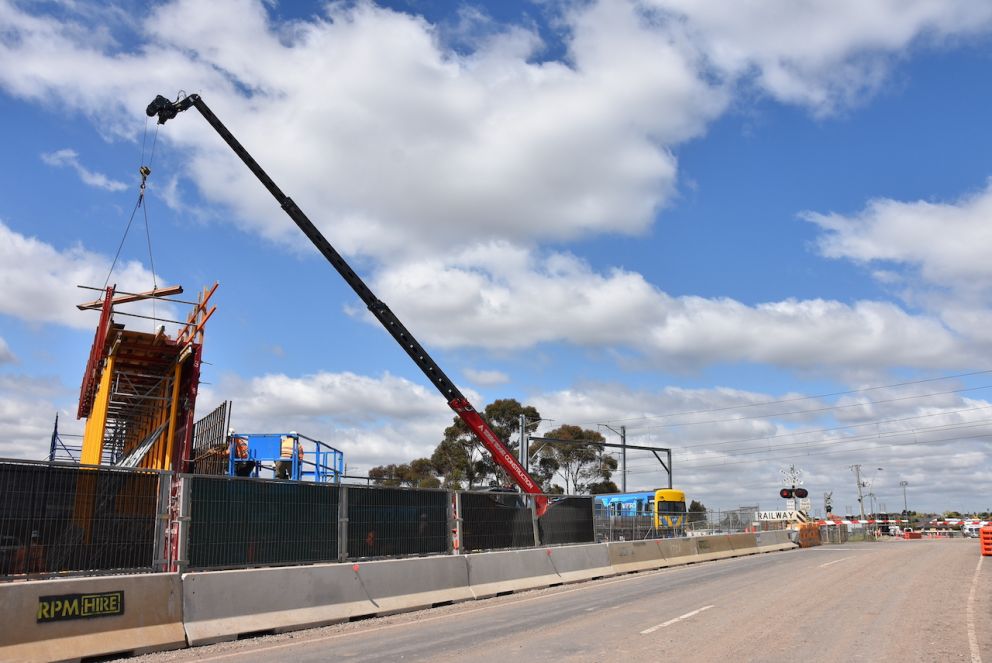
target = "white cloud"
x: 823, y: 54
x: 28, y: 406
x: 373, y: 420
x: 499, y: 296
x: 415, y: 144
x: 38, y: 281
x: 6, y: 356
x: 70, y: 158
x: 728, y: 445
x: 486, y: 378
x: 942, y: 242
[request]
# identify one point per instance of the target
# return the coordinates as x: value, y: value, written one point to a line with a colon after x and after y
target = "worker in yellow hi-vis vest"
x: 284, y: 466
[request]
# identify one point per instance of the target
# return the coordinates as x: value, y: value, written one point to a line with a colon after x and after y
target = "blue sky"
x: 617, y: 211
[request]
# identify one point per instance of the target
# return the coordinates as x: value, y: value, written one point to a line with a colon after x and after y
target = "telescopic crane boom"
x: 166, y: 110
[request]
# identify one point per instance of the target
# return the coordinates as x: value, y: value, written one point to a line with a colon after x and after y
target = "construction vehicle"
x: 165, y: 110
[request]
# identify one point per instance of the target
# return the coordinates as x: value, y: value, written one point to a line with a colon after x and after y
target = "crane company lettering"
x: 80, y: 606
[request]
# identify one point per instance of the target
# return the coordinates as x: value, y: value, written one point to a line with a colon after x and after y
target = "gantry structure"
x: 139, y: 389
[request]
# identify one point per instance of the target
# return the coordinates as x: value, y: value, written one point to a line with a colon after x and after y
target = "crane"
x: 165, y: 109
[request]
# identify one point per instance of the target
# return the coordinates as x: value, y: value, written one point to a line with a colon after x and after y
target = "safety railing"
x: 64, y: 519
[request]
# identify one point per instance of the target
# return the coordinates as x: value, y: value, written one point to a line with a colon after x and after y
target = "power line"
x: 835, y: 451
x: 877, y: 422
x: 846, y: 440
x: 819, y: 409
x: 789, y: 400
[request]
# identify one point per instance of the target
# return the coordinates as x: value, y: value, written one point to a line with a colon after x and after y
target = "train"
x: 663, y: 508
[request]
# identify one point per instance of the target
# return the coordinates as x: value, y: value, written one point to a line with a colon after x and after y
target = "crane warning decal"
x: 80, y: 606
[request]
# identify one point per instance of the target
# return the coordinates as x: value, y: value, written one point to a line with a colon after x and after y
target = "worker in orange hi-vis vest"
x: 243, y: 466
x: 284, y: 466
x: 30, y: 558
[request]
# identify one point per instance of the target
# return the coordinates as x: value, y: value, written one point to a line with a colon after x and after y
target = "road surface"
x: 928, y: 600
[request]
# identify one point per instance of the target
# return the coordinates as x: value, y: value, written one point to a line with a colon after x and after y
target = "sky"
x: 755, y: 233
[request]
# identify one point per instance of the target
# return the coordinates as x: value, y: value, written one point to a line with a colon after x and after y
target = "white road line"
x: 678, y: 619
x: 833, y: 562
x: 972, y: 637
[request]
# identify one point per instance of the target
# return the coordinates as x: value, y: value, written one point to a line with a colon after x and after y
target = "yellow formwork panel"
x: 92, y: 450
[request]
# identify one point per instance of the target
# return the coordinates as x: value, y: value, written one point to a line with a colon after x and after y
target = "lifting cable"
x: 144, y: 170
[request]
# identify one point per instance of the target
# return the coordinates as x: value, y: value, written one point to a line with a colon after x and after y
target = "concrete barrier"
x: 221, y: 605
x: 631, y: 556
x: 581, y: 562
x: 502, y: 572
x: 714, y: 547
x: 678, y: 551
x: 743, y: 543
x: 412, y: 584
x: 774, y: 541
x: 73, y: 618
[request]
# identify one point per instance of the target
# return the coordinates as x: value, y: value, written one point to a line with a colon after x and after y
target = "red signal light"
x: 802, y: 492
x: 785, y: 493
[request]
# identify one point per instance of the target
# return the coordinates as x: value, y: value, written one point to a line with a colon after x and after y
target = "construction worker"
x: 284, y: 466
x: 30, y: 558
x: 243, y: 467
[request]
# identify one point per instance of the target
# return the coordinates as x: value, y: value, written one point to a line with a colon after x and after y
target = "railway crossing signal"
x: 789, y: 493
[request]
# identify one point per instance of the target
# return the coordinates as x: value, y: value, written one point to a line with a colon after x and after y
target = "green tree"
x: 603, y: 487
x: 580, y: 462
x: 418, y: 473
x: 461, y: 457
x: 696, y: 512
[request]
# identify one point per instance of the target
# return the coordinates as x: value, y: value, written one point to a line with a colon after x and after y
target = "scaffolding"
x: 139, y: 389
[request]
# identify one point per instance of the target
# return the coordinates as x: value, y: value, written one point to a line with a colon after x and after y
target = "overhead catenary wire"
x: 776, y: 453
x: 784, y: 400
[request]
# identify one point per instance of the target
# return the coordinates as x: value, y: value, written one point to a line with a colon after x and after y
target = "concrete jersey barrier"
x: 678, y: 551
x: 714, y: 547
x: 72, y: 618
x: 774, y: 541
x: 493, y: 573
x: 220, y: 605
x: 631, y: 556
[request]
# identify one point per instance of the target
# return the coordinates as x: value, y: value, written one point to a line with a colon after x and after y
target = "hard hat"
x: 230, y: 431
x: 292, y: 432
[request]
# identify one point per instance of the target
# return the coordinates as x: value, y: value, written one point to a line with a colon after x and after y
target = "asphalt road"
x: 928, y: 600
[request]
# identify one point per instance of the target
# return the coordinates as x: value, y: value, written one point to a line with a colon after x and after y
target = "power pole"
x: 861, y: 499
x: 905, y: 509
x: 623, y: 459
x: 522, y: 450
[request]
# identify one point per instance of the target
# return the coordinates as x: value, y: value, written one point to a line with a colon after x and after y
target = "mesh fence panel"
x: 567, y: 520
x: 396, y: 521
x: 491, y: 521
x: 58, y: 519
x: 250, y: 522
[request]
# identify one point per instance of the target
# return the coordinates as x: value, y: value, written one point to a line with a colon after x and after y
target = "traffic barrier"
x: 221, y: 605
x: 809, y: 535
x: 632, y: 556
x: 503, y: 572
x: 744, y: 544
x: 714, y: 547
x: 73, y: 618
x: 678, y: 551
x: 412, y: 584
x: 774, y: 541
x: 985, y: 536
x: 912, y: 535
x: 581, y: 562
